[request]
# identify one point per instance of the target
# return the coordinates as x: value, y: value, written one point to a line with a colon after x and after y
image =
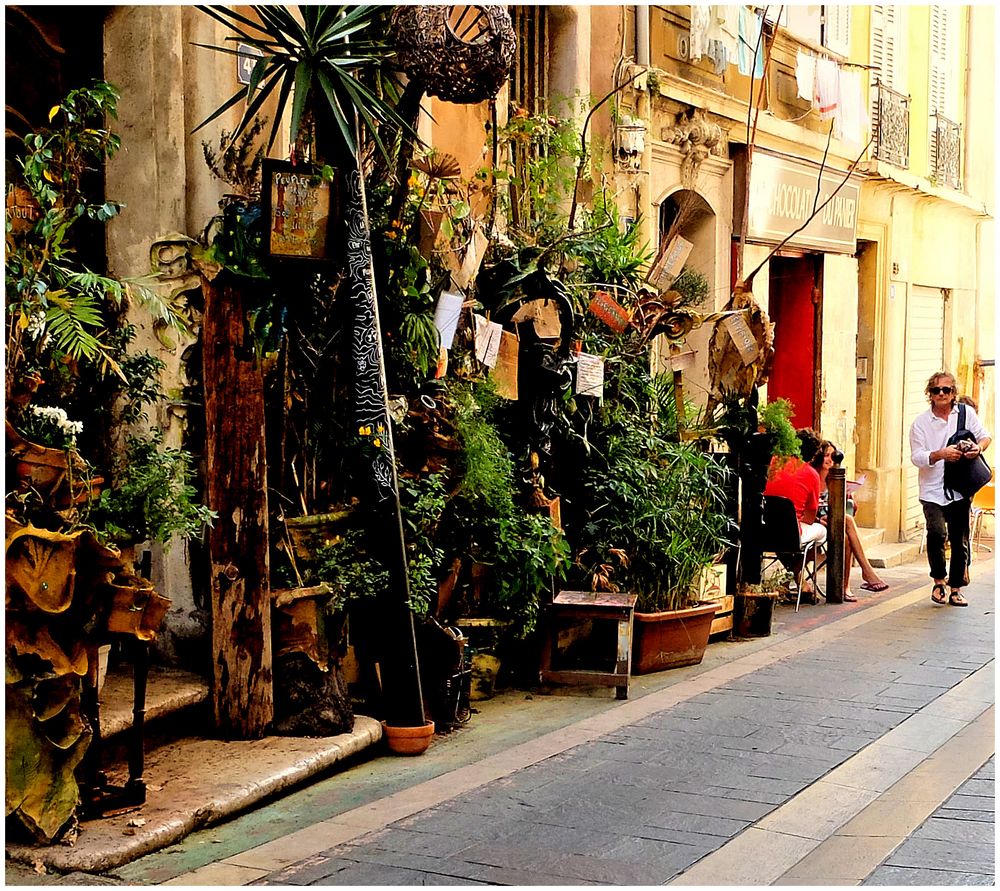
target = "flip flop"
x: 876, y: 587
x: 956, y: 599
x: 850, y: 598
x: 938, y: 600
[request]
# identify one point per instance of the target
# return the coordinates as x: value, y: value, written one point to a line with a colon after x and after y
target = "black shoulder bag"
x: 967, y: 476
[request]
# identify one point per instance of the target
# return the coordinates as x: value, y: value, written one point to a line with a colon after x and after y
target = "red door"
x: 793, y: 313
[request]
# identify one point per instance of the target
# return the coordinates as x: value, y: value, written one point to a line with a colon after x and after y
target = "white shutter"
x: 837, y: 29
x: 885, y: 50
x: 923, y: 355
x: 943, y: 83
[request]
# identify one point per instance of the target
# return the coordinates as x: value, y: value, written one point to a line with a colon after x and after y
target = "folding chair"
x: 781, y: 542
x: 983, y: 505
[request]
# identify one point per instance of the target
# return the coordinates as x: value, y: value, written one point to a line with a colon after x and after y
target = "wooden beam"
x: 236, y: 476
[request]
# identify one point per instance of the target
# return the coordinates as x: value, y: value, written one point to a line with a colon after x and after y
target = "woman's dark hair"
x: 809, y: 444
x: 820, y: 456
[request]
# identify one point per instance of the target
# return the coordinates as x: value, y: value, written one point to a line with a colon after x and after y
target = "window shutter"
x: 943, y: 61
x: 837, y: 29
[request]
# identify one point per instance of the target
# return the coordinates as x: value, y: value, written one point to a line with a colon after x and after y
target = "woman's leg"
x: 856, y: 550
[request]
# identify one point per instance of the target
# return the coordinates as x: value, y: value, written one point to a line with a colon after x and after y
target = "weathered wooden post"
x: 236, y: 488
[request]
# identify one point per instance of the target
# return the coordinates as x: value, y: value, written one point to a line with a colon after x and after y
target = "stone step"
x: 890, y: 553
x: 168, y: 692
x: 871, y: 537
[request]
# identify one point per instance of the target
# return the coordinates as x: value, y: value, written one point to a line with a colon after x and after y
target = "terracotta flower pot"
x: 670, y: 639
x: 408, y: 740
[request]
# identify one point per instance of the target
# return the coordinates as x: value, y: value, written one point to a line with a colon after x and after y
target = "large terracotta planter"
x: 670, y: 639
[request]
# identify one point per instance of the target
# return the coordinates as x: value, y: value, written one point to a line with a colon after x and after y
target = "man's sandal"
x: 956, y: 599
x: 939, y: 600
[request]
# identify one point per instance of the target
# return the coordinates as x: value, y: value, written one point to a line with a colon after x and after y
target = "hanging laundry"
x: 701, y: 18
x: 725, y: 27
x: 805, y: 75
x: 751, y: 43
x: 855, y: 125
x: 826, y: 98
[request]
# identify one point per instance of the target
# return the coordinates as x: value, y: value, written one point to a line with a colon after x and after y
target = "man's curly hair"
x: 810, y: 442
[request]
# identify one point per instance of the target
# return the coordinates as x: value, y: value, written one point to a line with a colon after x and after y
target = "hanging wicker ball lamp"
x: 459, y: 53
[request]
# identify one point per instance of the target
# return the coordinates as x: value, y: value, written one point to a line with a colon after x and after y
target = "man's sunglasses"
x: 947, y: 391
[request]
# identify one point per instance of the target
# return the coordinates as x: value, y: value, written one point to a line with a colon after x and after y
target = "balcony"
x: 946, y: 152
x: 892, y: 126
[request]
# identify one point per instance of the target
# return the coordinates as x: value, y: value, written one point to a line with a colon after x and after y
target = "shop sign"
x: 782, y: 197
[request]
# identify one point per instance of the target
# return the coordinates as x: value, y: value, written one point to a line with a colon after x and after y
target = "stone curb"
x: 201, y: 782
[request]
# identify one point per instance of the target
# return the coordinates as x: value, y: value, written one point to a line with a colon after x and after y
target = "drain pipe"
x: 642, y: 35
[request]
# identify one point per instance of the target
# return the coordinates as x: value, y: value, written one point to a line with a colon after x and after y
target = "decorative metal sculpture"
x: 459, y: 53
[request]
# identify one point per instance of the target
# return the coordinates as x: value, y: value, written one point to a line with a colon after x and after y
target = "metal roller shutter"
x: 924, y: 354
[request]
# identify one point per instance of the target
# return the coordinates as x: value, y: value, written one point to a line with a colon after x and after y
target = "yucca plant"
x: 327, y: 59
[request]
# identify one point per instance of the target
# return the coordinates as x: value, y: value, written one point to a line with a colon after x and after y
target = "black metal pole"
x: 836, y: 486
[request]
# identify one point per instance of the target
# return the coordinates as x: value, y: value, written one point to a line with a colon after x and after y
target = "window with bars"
x: 943, y: 71
x: 890, y: 102
x: 529, y: 83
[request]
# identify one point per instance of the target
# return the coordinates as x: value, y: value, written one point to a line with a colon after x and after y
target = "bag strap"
x: 961, y: 416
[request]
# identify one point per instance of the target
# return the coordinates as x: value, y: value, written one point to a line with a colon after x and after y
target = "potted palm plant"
x: 656, y: 518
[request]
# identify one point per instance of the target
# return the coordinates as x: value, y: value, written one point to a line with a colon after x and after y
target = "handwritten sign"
x: 544, y: 314
x: 589, y: 375
x: 488, y: 335
x: 297, y: 205
x: 22, y: 211
x: 670, y: 263
x: 610, y: 311
x: 743, y: 337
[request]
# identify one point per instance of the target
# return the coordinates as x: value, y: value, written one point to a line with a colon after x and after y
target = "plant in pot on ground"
x: 651, y: 514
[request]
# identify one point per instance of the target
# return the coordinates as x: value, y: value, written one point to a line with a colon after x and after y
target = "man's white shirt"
x: 928, y: 433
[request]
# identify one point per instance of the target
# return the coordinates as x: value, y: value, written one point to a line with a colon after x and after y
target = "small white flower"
x: 36, y: 325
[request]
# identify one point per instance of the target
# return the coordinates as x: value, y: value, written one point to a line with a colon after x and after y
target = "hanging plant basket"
x: 459, y: 53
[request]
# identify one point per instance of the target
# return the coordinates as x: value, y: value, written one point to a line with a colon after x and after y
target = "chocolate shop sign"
x: 782, y: 196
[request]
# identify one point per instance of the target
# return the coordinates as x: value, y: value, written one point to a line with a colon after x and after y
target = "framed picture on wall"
x: 298, y: 206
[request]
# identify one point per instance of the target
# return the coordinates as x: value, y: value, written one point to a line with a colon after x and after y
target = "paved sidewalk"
x: 959, y: 840
x: 757, y: 771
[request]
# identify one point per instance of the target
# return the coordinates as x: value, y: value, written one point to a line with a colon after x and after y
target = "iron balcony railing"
x: 946, y: 152
x: 892, y: 126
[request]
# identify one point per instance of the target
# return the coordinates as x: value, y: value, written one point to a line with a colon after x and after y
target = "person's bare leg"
x: 854, y: 547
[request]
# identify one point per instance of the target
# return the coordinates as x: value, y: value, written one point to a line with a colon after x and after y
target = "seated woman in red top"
x: 797, y: 480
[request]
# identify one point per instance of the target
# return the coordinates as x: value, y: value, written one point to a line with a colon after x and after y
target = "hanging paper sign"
x: 544, y: 314
x: 610, y: 311
x: 670, y: 263
x: 589, y: 375
x: 743, y: 337
x: 488, y: 336
x: 504, y: 373
x: 446, y: 316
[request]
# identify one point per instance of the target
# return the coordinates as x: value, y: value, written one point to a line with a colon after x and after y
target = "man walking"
x: 946, y: 514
